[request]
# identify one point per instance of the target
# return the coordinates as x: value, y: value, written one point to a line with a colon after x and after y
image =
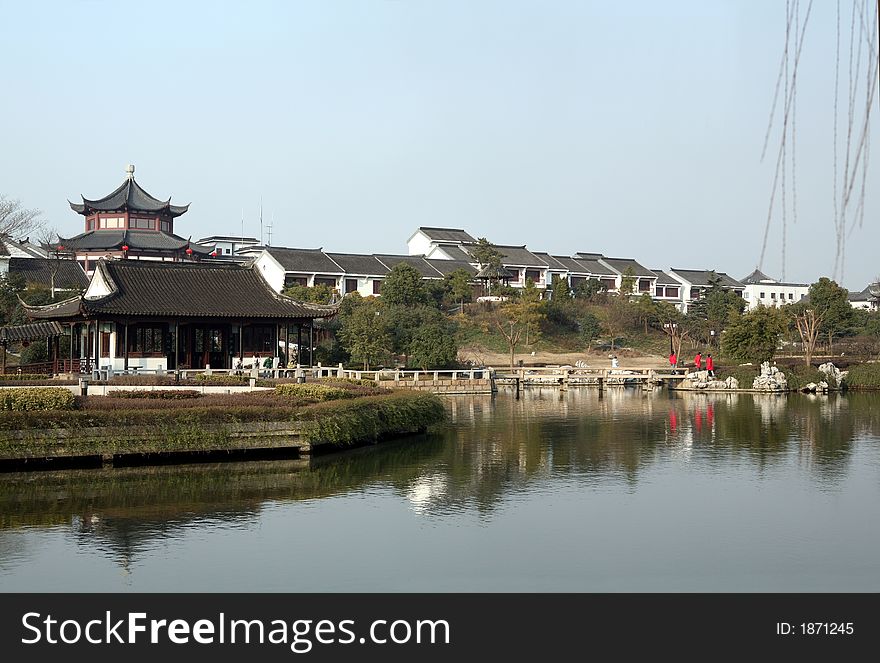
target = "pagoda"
x: 129, y: 223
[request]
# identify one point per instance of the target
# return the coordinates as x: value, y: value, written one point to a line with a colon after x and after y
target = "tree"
x: 486, y: 254
x: 718, y: 307
x: 17, y: 220
x: 561, y: 291
x: 458, y: 285
x: 646, y: 309
x: 831, y: 304
x: 531, y: 312
x: 404, y: 323
x: 514, y: 319
x: 620, y: 316
x: 591, y: 290
x: 489, y: 259
x: 628, y: 282
x: 319, y: 294
x: 403, y: 286
x: 808, y: 325
x: 364, y: 332
x: 433, y: 346
x: 589, y: 327
x: 755, y: 335
x: 671, y: 321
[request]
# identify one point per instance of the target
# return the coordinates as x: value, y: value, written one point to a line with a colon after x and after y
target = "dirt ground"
x: 482, y: 357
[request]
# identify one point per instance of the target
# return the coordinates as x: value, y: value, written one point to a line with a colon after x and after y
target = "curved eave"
x: 68, y: 308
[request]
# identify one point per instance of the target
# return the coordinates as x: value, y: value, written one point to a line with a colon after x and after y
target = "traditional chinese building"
x: 130, y: 223
x: 144, y: 314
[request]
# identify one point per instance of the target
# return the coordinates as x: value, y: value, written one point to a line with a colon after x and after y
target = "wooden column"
x: 299, y: 342
x: 176, y: 346
x: 72, y: 329
x: 3, y: 355
x: 311, y: 343
x: 125, y: 347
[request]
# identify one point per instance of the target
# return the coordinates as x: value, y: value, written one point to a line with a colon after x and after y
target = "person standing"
x: 673, y: 359
x: 698, y: 361
x: 614, y: 362
x: 710, y: 366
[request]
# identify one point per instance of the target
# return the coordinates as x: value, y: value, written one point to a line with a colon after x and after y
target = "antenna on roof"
x: 129, y: 170
x: 261, y: 220
x: 269, y: 230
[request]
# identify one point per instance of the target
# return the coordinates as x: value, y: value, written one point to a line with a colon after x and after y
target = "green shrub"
x: 28, y: 399
x: 801, y: 375
x: 369, y: 420
x: 863, y: 376
x: 313, y: 392
x: 164, y: 394
x: 223, y: 379
x: 24, y: 376
x: 745, y: 375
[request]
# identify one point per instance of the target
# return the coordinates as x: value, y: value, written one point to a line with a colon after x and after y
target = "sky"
x: 631, y: 129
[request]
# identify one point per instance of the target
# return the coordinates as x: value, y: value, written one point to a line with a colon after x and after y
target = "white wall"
x: 784, y: 294
x: 419, y: 244
x: 271, y: 270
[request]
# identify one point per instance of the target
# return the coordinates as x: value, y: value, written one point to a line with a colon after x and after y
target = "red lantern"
x: 60, y: 247
x: 213, y: 254
x: 125, y: 247
x: 189, y: 251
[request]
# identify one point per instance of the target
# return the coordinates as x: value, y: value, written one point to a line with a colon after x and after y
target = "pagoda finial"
x: 129, y: 169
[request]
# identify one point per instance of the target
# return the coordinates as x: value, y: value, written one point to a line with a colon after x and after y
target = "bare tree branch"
x: 17, y: 220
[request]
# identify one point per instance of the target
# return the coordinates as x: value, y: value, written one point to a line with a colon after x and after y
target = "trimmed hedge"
x: 313, y: 392
x: 30, y: 399
x: 223, y: 379
x: 24, y: 376
x: 863, y: 376
x: 372, y: 419
x: 164, y: 394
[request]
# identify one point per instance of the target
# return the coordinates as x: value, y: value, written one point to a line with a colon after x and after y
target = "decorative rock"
x: 770, y: 379
x: 835, y: 375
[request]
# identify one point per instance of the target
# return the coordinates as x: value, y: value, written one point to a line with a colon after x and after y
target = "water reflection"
x: 494, y: 450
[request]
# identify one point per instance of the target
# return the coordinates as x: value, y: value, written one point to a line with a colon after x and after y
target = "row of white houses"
x: 436, y: 252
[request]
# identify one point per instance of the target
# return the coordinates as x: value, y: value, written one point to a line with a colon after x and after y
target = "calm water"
x: 554, y: 492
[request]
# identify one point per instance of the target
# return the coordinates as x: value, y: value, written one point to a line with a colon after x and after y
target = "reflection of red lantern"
x: 125, y: 247
x: 189, y: 251
x: 24, y: 344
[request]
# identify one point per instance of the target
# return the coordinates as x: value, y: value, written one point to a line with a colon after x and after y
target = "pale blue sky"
x: 632, y: 129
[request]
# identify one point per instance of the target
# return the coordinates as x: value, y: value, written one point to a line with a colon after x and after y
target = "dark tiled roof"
x: 455, y: 252
x: 550, y: 261
x: 519, y: 255
x: 33, y: 331
x: 665, y: 279
x: 129, y: 196
x: 359, y: 264
x: 586, y: 267
x: 592, y: 265
x: 418, y: 262
x: 183, y: 290
x: 228, y: 238
x: 304, y: 260
x: 760, y: 278
x: 861, y: 296
x: 700, y: 277
x: 446, y: 267
x: 69, y: 274
x: 144, y: 240
x: 446, y: 234
x: 622, y: 264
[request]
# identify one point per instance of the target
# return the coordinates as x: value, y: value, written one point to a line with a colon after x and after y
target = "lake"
x: 558, y: 491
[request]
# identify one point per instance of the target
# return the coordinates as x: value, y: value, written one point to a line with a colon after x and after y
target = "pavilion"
x: 170, y: 316
x: 129, y: 223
